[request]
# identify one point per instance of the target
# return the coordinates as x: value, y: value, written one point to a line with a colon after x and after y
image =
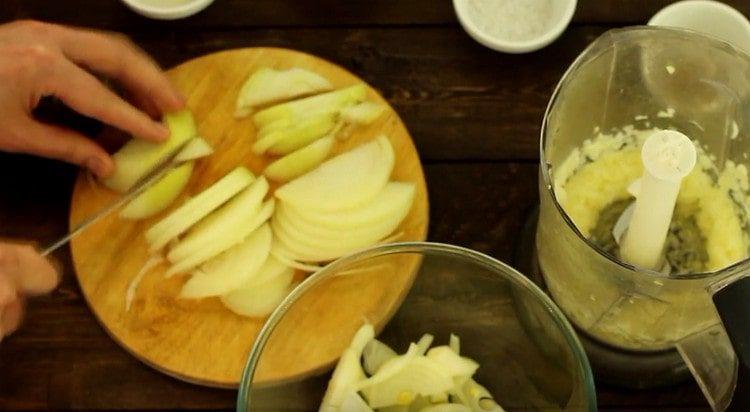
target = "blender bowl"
x: 626, y: 85
x: 529, y: 357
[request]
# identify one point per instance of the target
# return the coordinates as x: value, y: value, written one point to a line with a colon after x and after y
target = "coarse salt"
x: 514, y: 20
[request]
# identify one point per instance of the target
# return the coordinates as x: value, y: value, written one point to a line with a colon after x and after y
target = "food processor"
x: 684, y: 313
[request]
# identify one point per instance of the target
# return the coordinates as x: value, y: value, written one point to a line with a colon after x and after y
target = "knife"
x: 164, y: 165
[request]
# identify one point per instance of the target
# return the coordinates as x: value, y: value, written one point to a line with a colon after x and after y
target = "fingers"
x: 66, y: 145
x: 144, y: 103
x: 10, y: 317
x: 117, y: 57
x: 85, y: 93
x: 28, y: 271
x: 23, y: 271
x: 7, y: 291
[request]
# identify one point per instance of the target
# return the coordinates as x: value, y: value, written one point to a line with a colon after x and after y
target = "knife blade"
x: 164, y: 165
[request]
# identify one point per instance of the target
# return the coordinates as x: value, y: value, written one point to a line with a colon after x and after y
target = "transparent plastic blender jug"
x: 635, y: 79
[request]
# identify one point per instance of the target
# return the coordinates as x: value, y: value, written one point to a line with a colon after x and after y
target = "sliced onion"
x: 277, y: 252
x: 345, y: 181
x: 362, y: 113
x: 151, y: 263
x: 376, y: 353
x: 259, y: 300
x: 160, y: 195
x: 455, y: 344
x: 138, y: 156
x: 267, y: 85
x: 196, y: 149
x: 301, y: 161
x: 195, y: 209
x: 223, y: 228
x: 424, y: 343
x: 348, y: 372
x: 233, y: 268
x: 329, y: 102
x: 453, y: 364
x: 393, y: 199
x: 419, y: 376
x: 354, y: 403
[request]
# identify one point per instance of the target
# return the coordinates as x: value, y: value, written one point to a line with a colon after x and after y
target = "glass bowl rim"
x: 424, y: 248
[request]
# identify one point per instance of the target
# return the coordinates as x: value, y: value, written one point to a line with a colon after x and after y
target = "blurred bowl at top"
x: 708, y: 17
x: 514, y: 26
x: 529, y: 356
x: 167, y: 9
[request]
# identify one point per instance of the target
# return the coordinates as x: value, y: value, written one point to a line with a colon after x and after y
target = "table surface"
x: 474, y: 114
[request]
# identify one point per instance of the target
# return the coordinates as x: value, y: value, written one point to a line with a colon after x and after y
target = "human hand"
x: 40, y: 59
x: 23, y: 272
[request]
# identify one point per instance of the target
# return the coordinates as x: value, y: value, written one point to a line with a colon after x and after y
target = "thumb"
x: 30, y: 272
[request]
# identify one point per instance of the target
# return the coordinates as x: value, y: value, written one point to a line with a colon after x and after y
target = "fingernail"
x: 162, y: 130
x: 98, y: 166
x: 180, y: 98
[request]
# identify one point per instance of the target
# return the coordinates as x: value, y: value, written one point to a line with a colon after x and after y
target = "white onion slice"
x: 160, y: 195
x: 376, y: 353
x: 393, y: 199
x: 329, y: 102
x: 297, y: 135
x: 424, y: 343
x: 455, y: 344
x: 453, y: 364
x: 151, y: 263
x: 278, y: 252
x: 418, y: 376
x: 195, y: 209
x: 301, y: 161
x: 348, y: 372
x: 223, y: 228
x: 267, y: 85
x: 139, y: 156
x: 260, y: 300
x: 348, y: 180
x: 354, y: 403
x: 230, y: 270
x: 196, y: 149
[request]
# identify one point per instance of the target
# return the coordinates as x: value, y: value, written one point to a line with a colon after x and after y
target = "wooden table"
x: 474, y: 114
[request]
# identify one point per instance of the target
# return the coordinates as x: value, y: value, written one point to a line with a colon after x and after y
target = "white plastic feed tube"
x: 668, y: 156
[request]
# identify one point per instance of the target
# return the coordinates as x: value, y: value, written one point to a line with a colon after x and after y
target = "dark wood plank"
x: 62, y: 359
x: 113, y: 15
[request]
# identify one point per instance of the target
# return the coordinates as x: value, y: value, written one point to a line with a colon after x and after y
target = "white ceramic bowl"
x: 709, y: 17
x: 167, y: 9
x: 562, y: 13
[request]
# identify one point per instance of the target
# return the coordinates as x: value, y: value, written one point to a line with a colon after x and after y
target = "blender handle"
x: 733, y: 304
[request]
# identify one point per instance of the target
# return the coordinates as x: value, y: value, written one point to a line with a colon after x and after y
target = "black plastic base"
x: 613, y: 366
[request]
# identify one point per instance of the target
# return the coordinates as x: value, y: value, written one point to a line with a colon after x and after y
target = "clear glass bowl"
x: 529, y: 355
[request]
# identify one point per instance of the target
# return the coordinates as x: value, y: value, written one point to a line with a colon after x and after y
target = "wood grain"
x: 201, y: 341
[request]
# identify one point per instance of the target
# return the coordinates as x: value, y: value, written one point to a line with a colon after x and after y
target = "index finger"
x: 115, y: 56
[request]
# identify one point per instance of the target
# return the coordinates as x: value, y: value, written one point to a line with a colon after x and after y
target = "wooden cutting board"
x: 201, y: 341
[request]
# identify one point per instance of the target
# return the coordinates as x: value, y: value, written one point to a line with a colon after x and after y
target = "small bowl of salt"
x: 514, y: 26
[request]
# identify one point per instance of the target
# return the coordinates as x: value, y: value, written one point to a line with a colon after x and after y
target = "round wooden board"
x: 201, y: 341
